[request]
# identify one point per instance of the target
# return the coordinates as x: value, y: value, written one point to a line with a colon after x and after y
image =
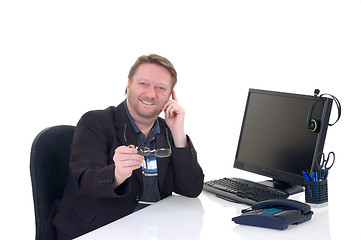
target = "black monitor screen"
x: 274, y: 139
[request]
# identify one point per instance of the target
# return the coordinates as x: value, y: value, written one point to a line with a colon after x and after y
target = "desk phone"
x: 276, y: 214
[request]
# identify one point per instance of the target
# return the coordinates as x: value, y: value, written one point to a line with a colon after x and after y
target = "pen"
x: 324, y: 175
x: 315, y: 176
x: 307, y: 176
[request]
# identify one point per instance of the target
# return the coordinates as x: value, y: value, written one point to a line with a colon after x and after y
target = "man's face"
x: 148, y: 91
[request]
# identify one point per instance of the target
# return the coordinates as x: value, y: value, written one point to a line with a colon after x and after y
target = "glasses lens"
x: 143, y: 151
x: 163, y: 152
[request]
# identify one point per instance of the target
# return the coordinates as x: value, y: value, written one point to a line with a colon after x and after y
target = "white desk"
x: 208, y: 217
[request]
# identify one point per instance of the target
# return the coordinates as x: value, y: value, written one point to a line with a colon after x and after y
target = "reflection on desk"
x: 205, y: 217
x: 176, y: 215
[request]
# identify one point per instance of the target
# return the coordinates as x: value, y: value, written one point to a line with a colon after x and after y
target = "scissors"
x: 324, y: 165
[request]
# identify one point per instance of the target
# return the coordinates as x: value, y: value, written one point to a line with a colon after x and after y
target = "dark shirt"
x: 149, y: 167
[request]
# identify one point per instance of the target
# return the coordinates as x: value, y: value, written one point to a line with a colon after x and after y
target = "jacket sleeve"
x: 188, y: 174
x: 91, y: 157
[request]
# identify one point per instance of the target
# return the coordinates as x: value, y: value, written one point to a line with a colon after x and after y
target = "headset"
x: 315, y: 125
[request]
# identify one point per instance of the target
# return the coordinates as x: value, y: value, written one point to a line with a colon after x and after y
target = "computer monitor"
x: 275, y: 140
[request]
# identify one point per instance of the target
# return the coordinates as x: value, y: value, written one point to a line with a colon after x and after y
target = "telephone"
x: 276, y: 214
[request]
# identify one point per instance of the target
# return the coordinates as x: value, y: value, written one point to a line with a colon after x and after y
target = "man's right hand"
x: 126, y: 160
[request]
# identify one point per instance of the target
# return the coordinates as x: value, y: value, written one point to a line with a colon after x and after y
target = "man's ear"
x: 126, y: 89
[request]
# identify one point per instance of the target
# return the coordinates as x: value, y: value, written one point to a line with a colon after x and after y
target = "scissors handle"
x: 325, y: 167
x: 333, y: 159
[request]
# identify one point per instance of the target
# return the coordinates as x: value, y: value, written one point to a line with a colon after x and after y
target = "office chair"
x: 49, y: 167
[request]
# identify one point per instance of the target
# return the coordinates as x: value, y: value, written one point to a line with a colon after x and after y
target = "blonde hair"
x: 154, y: 59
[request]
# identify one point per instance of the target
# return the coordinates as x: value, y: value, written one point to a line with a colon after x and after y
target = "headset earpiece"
x: 314, y: 126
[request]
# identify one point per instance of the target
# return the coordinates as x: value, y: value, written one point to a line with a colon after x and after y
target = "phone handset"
x: 282, y: 203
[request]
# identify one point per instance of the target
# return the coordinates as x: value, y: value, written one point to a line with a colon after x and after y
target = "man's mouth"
x: 147, y: 103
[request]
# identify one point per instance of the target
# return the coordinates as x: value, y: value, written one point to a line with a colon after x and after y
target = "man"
x: 124, y: 158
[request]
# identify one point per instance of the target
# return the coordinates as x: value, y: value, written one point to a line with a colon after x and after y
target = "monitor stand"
x: 283, y: 186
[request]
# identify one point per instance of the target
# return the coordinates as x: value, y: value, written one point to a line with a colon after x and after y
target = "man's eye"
x: 162, y: 88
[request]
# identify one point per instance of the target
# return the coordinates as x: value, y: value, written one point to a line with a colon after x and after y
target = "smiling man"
x: 125, y: 158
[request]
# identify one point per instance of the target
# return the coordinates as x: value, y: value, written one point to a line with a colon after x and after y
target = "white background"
x: 59, y: 59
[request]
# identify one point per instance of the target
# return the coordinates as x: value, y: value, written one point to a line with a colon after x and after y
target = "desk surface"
x: 208, y: 217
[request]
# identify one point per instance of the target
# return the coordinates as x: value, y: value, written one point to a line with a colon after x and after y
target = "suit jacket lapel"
x: 124, y: 132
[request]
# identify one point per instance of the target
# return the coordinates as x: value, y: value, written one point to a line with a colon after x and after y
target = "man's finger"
x: 174, y: 96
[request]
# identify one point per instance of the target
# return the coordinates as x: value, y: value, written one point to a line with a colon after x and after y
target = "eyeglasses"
x: 146, y: 152
x: 160, y: 152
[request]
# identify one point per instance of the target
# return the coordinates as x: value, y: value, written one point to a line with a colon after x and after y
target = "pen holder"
x: 316, y: 192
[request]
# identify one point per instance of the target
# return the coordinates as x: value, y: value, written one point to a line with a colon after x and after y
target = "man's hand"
x: 126, y: 160
x: 174, y: 117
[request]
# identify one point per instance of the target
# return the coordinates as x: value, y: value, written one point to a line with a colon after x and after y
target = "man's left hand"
x: 174, y: 117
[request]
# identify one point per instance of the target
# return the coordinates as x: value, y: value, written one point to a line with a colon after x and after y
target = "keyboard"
x: 243, y: 191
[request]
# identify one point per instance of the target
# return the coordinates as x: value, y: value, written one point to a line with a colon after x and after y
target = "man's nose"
x: 151, y: 93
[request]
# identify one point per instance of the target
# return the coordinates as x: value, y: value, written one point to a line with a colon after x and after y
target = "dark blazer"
x: 90, y: 200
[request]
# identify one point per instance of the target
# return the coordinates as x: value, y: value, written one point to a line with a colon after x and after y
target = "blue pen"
x: 315, y: 176
x: 307, y: 177
x: 326, y: 175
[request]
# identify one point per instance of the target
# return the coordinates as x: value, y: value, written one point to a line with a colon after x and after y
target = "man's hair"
x: 154, y: 59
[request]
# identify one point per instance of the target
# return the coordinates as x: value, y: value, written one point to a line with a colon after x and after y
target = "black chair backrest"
x: 49, y: 168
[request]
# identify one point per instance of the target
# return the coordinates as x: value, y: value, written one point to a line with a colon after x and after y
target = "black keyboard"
x: 241, y: 190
